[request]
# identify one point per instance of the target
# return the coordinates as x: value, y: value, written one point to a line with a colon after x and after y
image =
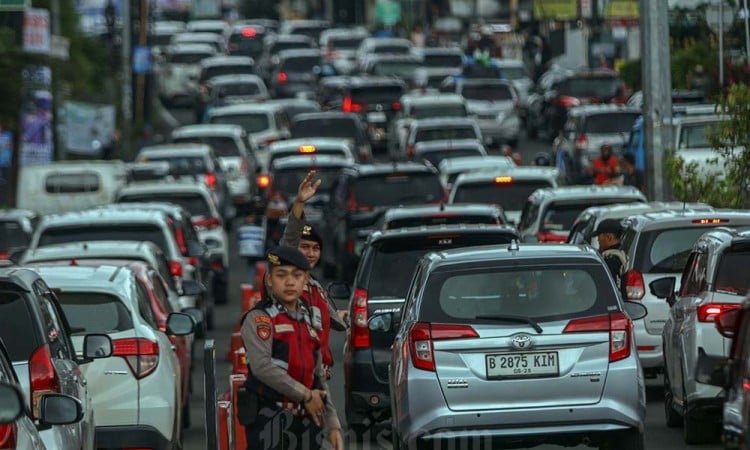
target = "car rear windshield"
x: 666, y: 251
x: 342, y: 127
x: 487, y: 92
x: 394, y: 189
x: 17, y: 327
x: 346, y: 43
x: 301, y: 63
x: 438, y: 110
x: 694, y: 136
x: 401, y: 69
x: 195, y: 204
x: 391, y: 49
x: 443, y: 61
x: 542, y: 292
x: 233, y: 69
x: 252, y: 123
x: 510, y: 196
x: 514, y: 73
x: 187, y: 58
x: 393, y: 261
x: 443, y: 219
x: 94, y: 312
x: 289, y: 45
x: 159, y: 40
x: 610, y: 123
x: 585, y: 87
x: 12, y: 235
x: 446, y: 133
x: 287, y: 181
x: 181, y: 165
x: 105, y: 232
x: 561, y: 216
x: 330, y: 151
x: 435, y: 157
x: 224, y: 147
x: 731, y: 274
x: 377, y: 94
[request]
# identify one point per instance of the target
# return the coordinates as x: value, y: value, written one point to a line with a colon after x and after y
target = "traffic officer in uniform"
x: 608, y: 233
x: 307, y: 240
x: 285, y: 403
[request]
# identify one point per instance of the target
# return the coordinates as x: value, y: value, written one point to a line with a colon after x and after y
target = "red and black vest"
x: 316, y: 301
x: 295, y: 348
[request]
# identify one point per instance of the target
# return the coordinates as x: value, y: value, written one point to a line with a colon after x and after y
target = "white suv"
x: 136, y: 392
x: 178, y: 76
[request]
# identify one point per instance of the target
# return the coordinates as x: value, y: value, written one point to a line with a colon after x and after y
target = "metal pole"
x: 127, y: 88
x: 721, y: 43
x: 211, y: 395
x: 747, y: 33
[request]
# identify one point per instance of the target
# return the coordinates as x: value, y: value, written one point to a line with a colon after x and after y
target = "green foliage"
x: 690, y: 184
x: 631, y: 73
x: 685, y: 60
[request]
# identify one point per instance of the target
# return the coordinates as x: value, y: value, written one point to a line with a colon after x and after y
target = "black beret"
x: 287, y: 256
x: 309, y: 233
x: 609, y: 226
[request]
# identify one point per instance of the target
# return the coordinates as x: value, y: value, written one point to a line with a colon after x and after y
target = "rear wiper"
x: 519, y: 319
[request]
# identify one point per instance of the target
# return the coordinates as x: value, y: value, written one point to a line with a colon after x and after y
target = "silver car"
x: 515, y: 345
x: 496, y: 105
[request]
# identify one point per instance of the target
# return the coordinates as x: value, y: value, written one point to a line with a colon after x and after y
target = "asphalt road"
x: 658, y: 436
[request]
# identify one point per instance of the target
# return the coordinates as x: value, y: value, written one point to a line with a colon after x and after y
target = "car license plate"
x: 376, y: 117
x: 522, y: 365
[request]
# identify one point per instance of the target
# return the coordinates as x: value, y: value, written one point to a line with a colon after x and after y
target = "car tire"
x: 632, y: 439
x: 186, y: 415
x: 671, y: 415
x: 695, y: 431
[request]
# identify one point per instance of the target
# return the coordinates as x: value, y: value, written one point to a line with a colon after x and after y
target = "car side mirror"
x: 11, y: 403
x: 663, y: 287
x: 635, y: 310
x: 711, y: 369
x: 338, y: 290
x: 383, y: 322
x: 59, y: 409
x: 191, y: 288
x: 195, y: 313
x: 726, y: 322
x: 96, y: 346
x: 179, y: 324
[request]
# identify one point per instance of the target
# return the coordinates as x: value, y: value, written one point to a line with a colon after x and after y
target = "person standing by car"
x: 305, y: 238
x: 605, y: 167
x: 608, y: 233
x: 285, y: 403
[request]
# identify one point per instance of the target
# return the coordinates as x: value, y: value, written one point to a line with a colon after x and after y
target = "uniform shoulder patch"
x: 263, y: 319
x: 264, y: 332
x: 283, y: 328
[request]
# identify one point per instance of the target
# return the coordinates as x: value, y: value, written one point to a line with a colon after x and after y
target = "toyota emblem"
x: 521, y: 342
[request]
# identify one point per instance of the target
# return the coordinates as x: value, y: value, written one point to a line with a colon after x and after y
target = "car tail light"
x: 548, y: 236
x: 271, y: 140
x: 8, y: 433
x: 4, y: 255
x: 175, y: 268
x: 42, y: 376
x: 582, y: 142
x: 619, y: 326
x: 193, y: 261
x: 217, y: 265
x: 353, y: 206
x: 142, y: 355
x: 567, y: 102
x: 248, y: 32
x: 282, y: 78
x: 350, y: 106
x: 709, y: 311
x: 709, y: 221
x: 208, y: 223
x: 360, y: 333
x: 635, y: 288
x: 396, y: 106
x: 263, y: 181
x: 422, y: 335
x: 211, y: 180
x: 411, y: 151
x: 179, y: 236
x: 350, y: 246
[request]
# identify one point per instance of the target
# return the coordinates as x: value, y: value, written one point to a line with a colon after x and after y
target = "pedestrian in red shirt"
x: 605, y: 167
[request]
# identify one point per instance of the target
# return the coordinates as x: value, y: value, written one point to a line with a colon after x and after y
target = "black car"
x: 454, y: 214
x: 294, y: 71
x: 360, y: 195
x: 247, y: 40
x: 16, y: 228
x: 333, y: 124
x: 274, y: 44
x: 380, y: 285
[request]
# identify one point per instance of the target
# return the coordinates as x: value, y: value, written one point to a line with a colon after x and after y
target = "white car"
x: 450, y: 169
x: 383, y: 46
x: 177, y: 77
x: 135, y: 393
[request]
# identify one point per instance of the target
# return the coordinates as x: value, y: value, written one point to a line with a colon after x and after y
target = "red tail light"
x: 8, y: 438
x: 179, y: 236
x: 396, y: 106
x: 709, y: 311
x: 193, y: 261
x: 360, y: 333
x: 207, y: 223
x: 350, y: 106
x: 411, y: 150
x: 272, y: 140
x: 248, y: 32
x: 422, y: 335
x: 567, y: 102
x: 619, y: 326
x: 42, y: 376
x: 350, y: 246
x: 548, y: 236
x: 582, y: 142
x: 353, y: 206
x: 621, y: 100
x: 141, y: 355
x: 282, y: 78
x: 211, y: 180
x: 217, y: 265
x: 4, y: 255
x: 635, y: 287
x: 263, y: 181
x: 175, y: 268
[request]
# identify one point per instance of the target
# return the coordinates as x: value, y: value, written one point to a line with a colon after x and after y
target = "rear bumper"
x: 650, y: 348
x: 133, y: 436
x: 366, y: 394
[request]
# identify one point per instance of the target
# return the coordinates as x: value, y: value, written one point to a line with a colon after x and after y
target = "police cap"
x: 287, y: 256
x: 309, y: 233
x: 612, y: 226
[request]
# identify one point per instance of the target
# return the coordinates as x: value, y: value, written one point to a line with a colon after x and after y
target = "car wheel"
x: 695, y: 431
x: 220, y: 292
x: 671, y: 415
x: 627, y: 440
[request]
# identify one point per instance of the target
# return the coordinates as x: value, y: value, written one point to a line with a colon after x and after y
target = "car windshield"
x: 446, y: 133
x: 287, y: 181
x: 17, y: 327
x: 594, y: 87
x: 442, y: 219
x: 12, y: 235
x: 281, y: 46
x: 180, y: 165
x: 401, y: 69
x: 233, y: 69
x: 94, y: 313
x: 666, y: 251
x: 393, y: 189
x: 438, y: 110
x: 330, y: 151
x: 514, y: 73
x: 187, y: 58
x: 237, y: 90
x: 195, y: 204
x: 453, y: 61
x: 346, y: 43
x: 395, y: 259
x: 159, y: 40
x: 561, y: 216
x: 486, y: 92
x: 510, y: 196
x: 731, y: 274
x: 224, y: 147
x: 534, y: 291
x: 252, y: 123
x: 610, y: 123
x: 345, y: 128
x: 435, y: 157
x: 377, y: 94
x: 391, y: 49
x: 695, y: 136
x: 105, y: 232
x: 301, y: 63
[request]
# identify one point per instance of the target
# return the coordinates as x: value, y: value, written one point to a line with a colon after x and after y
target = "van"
x: 69, y: 186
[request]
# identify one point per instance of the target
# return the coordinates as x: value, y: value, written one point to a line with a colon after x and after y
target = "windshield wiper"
x: 519, y: 319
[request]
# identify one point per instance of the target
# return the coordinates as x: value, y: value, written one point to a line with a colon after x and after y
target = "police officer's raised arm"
x: 257, y: 335
x: 293, y: 229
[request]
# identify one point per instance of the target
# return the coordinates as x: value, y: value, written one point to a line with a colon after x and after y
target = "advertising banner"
x: 88, y: 127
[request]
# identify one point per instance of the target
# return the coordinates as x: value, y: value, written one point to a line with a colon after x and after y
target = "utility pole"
x: 140, y: 80
x: 747, y: 33
x: 721, y: 43
x: 127, y: 77
x: 657, y: 92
